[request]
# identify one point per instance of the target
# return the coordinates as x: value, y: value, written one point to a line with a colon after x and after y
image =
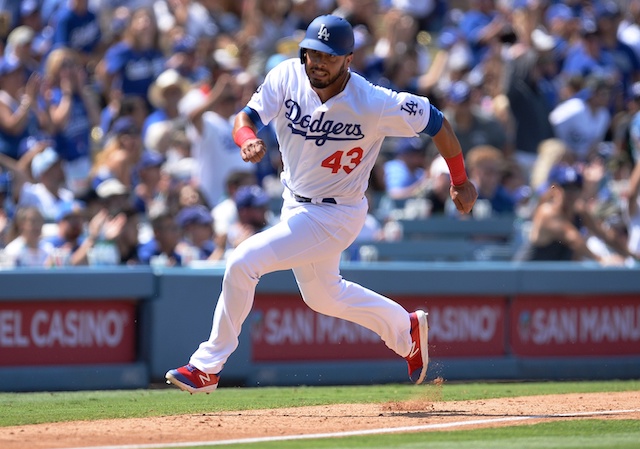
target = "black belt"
x: 302, y: 199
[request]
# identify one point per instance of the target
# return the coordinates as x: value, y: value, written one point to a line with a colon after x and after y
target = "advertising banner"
x: 283, y: 328
x: 575, y: 325
x: 67, y: 332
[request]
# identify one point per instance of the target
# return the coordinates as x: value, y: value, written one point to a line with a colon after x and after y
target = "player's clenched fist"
x: 253, y: 150
x: 464, y: 196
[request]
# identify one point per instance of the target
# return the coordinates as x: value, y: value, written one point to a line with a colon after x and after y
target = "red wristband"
x: 456, y: 169
x: 243, y: 134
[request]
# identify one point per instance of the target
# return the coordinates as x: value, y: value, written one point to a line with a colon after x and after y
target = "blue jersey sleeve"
x: 435, y: 121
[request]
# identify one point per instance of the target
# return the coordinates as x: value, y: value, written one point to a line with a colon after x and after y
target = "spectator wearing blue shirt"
x: 31, y: 16
x: 78, y: 28
x: 608, y: 17
x: 485, y: 165
x: 131, y: 65
x: 21, y: 113
x: 405, y: 175
x: 70, y: 219
x: 162, y: 247
x: 587, y: 56
x: 197, y: 233
x: 482, y: 25
x: 74, y: 111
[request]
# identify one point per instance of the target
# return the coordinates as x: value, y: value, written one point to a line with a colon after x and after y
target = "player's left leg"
x: 325, y: 291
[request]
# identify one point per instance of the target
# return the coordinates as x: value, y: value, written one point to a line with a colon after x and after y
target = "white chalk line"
x: 352, y: 433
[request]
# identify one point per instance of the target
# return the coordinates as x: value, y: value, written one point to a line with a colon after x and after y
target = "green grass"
x: 582, y: 434
x: 34, y: 408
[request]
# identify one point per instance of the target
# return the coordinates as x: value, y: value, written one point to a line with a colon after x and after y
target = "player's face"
x: 324, y: 69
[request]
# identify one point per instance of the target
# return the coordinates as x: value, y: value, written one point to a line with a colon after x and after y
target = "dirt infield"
x: 319, y: 419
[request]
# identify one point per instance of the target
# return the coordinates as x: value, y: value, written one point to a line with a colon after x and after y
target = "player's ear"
x: 303, y: 52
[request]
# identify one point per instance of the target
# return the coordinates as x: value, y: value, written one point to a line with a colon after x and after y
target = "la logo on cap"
x: 323, y: 33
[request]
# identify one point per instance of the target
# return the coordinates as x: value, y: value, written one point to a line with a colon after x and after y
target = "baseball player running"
x: 330, y: 123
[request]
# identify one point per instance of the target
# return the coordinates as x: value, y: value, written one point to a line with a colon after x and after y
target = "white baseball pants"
x: 309, y: 239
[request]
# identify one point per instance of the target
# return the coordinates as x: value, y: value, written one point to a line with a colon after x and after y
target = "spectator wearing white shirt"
x: 28, y: 248
x: 583, y: 121
x: 48, y: 193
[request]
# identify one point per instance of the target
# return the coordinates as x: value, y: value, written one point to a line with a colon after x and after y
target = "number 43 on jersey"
x: 346, y: 161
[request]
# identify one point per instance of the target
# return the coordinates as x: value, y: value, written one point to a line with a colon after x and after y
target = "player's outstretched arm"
x: 462, y: 191
x: 244, y: 132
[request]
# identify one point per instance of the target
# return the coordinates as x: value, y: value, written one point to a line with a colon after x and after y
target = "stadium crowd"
x: 116, y: 118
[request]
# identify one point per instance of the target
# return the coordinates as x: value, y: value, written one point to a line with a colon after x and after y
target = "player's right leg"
x: 302, y: 237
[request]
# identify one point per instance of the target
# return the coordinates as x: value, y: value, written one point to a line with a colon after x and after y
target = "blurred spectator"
x: 130, y: 65
x: 161, y: 249
x: 558, y: 219
x: 121, y: 154
x: 70, y: 220
x: 113, y: 195
x: 252, y: 203
x: 629, y: 27
x: 164, y: 95
x: 405, y: 175
x: 564, y: 25
x: 626, y: 62
x: 9, y: 16
x: 485, y: 166
x: 483, y: 26
x: 5, y: 209
x: 21, y: 113
x: 185, y: 59
x: 531, y: 99
x: 621, y: 124
x: 225, y: 213
x: 78, y: 28
x: 550, y: 153
x: 28, y: 248
x: 210, y: 124
x: 150, y: 197
x: 631, y: 211
x: 439, y: 183
x: 18, y: 48
x: 127, y: 241
x: 471, y: 126
x: 197, y: 235
x: 189, y: 15
x: 586, y: 56
x: 74, y: 112
x: 583, y: 121
x: 133, y: 106
x: 48, y: 193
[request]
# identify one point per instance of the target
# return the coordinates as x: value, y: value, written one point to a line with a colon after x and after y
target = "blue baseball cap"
x: 150, y: 159
x: 559, y: 11
x: 198, y: 214
x: 125, y: 125
x: 329, y: 34
x: 251, y: 196
x: 564, y: 175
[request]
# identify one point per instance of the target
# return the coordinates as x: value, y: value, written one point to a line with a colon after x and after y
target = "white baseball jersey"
x: 329, y: 149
